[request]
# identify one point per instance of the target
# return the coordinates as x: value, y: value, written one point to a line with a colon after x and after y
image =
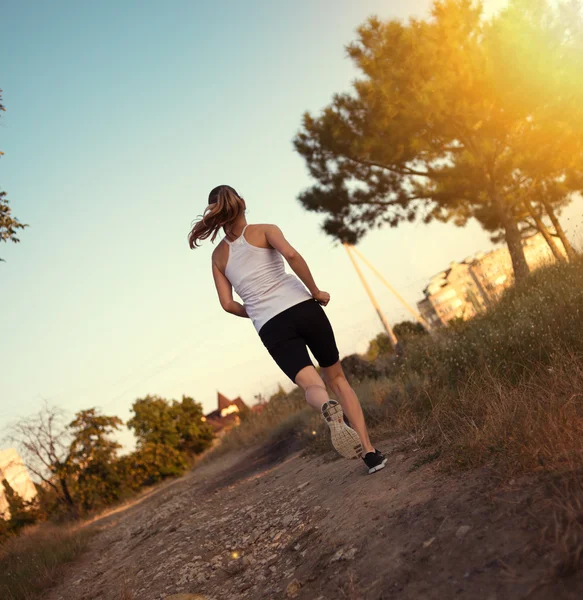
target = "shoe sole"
x: 378, y: 467
x: 344, y: 439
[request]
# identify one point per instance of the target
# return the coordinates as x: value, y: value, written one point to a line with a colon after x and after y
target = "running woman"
x: 286, y: 311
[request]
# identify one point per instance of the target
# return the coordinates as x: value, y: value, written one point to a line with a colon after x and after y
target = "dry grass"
x: 566, y: 532
x: 284, y: 413
x: 33, y: 562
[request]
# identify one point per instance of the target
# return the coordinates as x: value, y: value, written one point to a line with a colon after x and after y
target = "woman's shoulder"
x: 263, y: 227
x: 219, y: 253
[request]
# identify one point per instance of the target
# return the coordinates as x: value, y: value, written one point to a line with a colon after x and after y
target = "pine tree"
x: 428, y: 132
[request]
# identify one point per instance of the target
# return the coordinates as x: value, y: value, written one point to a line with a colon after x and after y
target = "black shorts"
x: 288, y: 335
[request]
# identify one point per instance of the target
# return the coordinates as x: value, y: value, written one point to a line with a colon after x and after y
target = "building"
x: 478, y: 282
x: 227, y: 414
x: 12, y: 470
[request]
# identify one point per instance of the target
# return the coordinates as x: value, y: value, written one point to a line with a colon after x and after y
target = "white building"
x: 13, y: 470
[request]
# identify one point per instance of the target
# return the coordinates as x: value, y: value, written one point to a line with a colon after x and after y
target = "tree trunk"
x: 513, y: 239
x: 560, y: 231
x: 546, y: 233
x: 66, y: 493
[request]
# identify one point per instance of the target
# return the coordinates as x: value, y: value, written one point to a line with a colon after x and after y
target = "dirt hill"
x: 269, y: 524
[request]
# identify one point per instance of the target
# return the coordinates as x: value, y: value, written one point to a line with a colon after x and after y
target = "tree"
x: 8, y: 224
x: 379, y: 346
x: 195, y: 435
x: 93, y: 455
x: 404, y: 331
x: 426, y: 133
x: 546, y: 46
x: 177, y: 425
x: 44, y: 444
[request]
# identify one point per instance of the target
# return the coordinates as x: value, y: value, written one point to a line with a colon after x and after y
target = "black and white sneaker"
x: 344, y: 438
x: 374, y: 461
x: 381, y: 455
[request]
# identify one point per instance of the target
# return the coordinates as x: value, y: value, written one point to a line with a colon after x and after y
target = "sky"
x: 121, y: 116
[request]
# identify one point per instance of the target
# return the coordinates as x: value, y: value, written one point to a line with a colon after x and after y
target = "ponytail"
x: 224, y: 207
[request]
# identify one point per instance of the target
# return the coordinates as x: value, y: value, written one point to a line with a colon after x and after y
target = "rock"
x: 344, y: 554
x: 293, y: 589
x: 400, y: 457
x: 255, y: 535
x: 462, y: 530
x: 287, y: 520
x: 249, y: 560
x: 337, y: 556
x: 428, y: 542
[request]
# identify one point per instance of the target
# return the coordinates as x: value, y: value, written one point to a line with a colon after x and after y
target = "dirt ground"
x: 269, y: 524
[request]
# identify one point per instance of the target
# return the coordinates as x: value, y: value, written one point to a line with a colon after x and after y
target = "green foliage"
x: 178, y: 425
x: 93, y: 458
x: 22, y: 513
x: 8, y: 224
x: 168, y: 435
x: 429, y: 132
x: 379, y: 346
x: 404, y: 331
x: 151, y: 463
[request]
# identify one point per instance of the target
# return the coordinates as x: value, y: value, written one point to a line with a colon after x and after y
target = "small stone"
x: 287, y: 520
x: 337, y: 556
x: 462, y: 530
x: 293, y: 589
x: 428, y: 542
x: 400, y: 457
x: 350, y: 554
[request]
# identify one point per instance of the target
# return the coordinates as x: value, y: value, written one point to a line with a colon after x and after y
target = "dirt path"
x: 315, y: 529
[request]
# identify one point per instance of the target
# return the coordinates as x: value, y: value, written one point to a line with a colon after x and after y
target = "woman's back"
x: 258, y: 276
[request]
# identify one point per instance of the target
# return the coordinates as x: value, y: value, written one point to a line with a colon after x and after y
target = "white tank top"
x: 259, y: 278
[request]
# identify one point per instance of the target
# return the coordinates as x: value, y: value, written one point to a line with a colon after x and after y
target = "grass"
x: 34, y: 561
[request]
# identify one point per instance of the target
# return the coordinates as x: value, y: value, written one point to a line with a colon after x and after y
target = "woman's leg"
x: 314, y: 388
x: 337, y: 382
x: 343, y: 438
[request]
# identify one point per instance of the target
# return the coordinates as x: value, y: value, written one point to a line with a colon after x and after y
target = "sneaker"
x: 381, y: 455
x: 374, y: 461
x: 344, y: 438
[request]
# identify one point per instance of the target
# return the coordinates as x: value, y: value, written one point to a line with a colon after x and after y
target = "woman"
x: 287, y: 314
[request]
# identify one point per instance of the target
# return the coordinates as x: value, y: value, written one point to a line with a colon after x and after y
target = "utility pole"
x: 382, y: 317
x: 400, y: 298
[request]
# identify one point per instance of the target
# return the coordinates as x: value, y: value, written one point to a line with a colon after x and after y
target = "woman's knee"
x: 309, y: 377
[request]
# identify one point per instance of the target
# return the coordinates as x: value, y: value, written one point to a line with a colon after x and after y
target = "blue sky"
x: 120, y: 117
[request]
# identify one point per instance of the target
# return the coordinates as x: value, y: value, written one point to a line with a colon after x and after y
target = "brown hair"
x: 224, y: 207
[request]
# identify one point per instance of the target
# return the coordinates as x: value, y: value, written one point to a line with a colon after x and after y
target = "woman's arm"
x: 225, y: 291
x: 296, y: 262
